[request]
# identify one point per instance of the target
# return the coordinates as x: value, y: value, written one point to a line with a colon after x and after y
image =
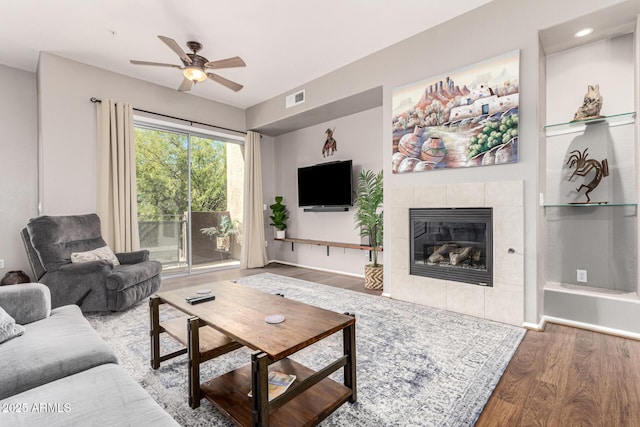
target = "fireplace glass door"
x: 452, y: 244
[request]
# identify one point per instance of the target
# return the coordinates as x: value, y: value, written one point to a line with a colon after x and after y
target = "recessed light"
x: 583, y: 32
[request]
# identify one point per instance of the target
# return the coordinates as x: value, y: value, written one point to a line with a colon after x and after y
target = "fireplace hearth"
x: 452, y: 244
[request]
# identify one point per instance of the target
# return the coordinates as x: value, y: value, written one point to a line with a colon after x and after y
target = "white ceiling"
x: 285, y: 43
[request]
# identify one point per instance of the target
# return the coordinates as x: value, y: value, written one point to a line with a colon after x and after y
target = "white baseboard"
x: 535, y: 326
x: 360, y: 276
x: 575, y: 324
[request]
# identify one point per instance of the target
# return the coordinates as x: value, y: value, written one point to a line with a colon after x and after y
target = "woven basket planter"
x: 373, y: 277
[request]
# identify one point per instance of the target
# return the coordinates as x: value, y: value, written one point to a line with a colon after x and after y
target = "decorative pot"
x: 15, y: 277
x: 373, y: 277
x: 279, y: 234
x: 396, y: 159
x: 223, y: 243
x: 408, y: 164
x: 411, y: 143
x: 433, y: 150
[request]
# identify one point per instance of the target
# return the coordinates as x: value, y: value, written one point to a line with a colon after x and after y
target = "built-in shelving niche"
x: 598, y: 237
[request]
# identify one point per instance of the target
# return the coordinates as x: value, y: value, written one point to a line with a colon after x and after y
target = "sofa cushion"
x: 125, y: 276
x: 97, y: 254
x: 8, y: 327
x: 101, y: 396
x: 60, y: 345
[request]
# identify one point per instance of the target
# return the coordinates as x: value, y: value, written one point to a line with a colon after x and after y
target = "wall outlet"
x: 266, y: 244
x: 1, y: 263
x: 582, y: 276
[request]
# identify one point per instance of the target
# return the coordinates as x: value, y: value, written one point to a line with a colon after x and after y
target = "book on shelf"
x: 278, y: 383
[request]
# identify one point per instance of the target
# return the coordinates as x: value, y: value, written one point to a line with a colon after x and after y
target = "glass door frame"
x: 146, y: 122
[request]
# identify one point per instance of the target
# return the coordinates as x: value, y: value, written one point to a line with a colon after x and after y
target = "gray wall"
x: 493, y: 29
x: 358, y: 139
x: 18, y: 173
x: 67, y: 125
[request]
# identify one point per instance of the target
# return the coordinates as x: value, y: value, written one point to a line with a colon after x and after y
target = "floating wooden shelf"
x: 328, y: 244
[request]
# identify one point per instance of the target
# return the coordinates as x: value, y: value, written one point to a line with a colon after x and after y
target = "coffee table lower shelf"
x: 229, y: 393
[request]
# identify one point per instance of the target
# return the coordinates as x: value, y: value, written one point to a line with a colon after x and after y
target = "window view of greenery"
x: 164, y: 162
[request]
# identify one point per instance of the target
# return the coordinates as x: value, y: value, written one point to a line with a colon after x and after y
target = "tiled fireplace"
x: 502, y: 299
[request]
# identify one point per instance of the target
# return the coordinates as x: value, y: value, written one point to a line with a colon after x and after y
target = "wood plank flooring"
x: 568, y: 377
x: 331, y: 279
x: 561, y: 377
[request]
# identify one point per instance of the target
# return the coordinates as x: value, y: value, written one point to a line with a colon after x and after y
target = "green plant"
x: 369, y: 215
x: 279, y: 215
x: 226, y: 228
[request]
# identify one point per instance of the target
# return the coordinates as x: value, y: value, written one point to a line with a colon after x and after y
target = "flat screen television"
x: 326, y: 184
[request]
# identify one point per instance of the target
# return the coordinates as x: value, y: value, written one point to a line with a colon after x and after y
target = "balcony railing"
x: 166, y: 240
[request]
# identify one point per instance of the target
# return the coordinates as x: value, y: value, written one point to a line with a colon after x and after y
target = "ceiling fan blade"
x: 186, y: 85
x: 157, y: 64
x: 176, y: 48
x: 236, y: 61
x: 225, y: 82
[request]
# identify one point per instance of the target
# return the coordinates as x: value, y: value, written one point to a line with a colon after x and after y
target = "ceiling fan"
x: 195, y: 67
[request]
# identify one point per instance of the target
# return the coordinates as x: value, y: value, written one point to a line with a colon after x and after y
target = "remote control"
x: 200, y: 298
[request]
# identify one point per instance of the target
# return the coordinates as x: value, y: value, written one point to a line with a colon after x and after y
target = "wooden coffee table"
x: 237, y: 317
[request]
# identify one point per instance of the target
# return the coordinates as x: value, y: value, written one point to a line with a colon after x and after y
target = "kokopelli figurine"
x: 583, y: 167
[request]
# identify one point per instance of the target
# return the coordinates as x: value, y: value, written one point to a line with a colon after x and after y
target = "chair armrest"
x: 26, y: 302
x: 134, y: 257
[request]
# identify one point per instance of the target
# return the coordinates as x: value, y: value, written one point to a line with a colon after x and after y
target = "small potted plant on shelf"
x: 223, y: 232
x: 369, y: 219
x: 279, y: 217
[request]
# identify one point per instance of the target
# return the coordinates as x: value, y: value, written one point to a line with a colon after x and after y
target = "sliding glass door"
x: 190, y: 190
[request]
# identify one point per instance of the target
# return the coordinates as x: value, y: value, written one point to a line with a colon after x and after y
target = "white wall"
x: 18, y: 163
x: 570, y: 71
x: 493, y: 29
x: 67, y: 125
x: 358, y: 139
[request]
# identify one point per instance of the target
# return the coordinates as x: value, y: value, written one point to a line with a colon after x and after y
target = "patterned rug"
x: 416, y: 365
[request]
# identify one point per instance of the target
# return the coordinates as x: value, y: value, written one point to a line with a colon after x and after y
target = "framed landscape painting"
x: 465, y: 118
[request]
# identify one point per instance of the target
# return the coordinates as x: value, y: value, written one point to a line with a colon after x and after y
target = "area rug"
x: 416, y: 365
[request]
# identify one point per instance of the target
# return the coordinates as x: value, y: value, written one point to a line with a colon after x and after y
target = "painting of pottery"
x: 465, y: 118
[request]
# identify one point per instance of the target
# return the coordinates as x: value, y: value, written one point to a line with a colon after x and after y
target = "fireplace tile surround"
x: 504, y: 302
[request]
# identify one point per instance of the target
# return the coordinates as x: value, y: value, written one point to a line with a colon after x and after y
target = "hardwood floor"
x: 331, y: 279
x: 568, y: 377
x: 561, y: 377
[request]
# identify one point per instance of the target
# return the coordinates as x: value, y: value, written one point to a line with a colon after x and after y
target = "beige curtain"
x: 117, y: 195
x: 254, y: 254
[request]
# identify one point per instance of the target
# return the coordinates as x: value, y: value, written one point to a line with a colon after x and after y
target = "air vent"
x: 294, y: 99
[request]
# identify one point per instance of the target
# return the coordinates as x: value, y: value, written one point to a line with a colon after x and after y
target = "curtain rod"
x: 94, y: 100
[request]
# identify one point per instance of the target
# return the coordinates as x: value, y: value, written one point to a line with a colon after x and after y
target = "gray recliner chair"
x: 92, y: 285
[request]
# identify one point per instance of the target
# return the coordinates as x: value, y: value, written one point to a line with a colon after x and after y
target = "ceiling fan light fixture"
x: 194, y: 67
x: 194, y: 74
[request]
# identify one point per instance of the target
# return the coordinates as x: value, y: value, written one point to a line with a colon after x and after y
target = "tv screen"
x: 326, y: 184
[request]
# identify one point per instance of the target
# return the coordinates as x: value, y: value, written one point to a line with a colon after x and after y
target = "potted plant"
x: 223, y: 232
x: 369, y: 219
x: 279, y: 217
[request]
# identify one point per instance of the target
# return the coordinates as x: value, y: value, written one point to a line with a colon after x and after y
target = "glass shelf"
x: 583, y: 205
x: 579, y: 126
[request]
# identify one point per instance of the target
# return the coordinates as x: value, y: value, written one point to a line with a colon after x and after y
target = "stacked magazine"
x: 278, y: 382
